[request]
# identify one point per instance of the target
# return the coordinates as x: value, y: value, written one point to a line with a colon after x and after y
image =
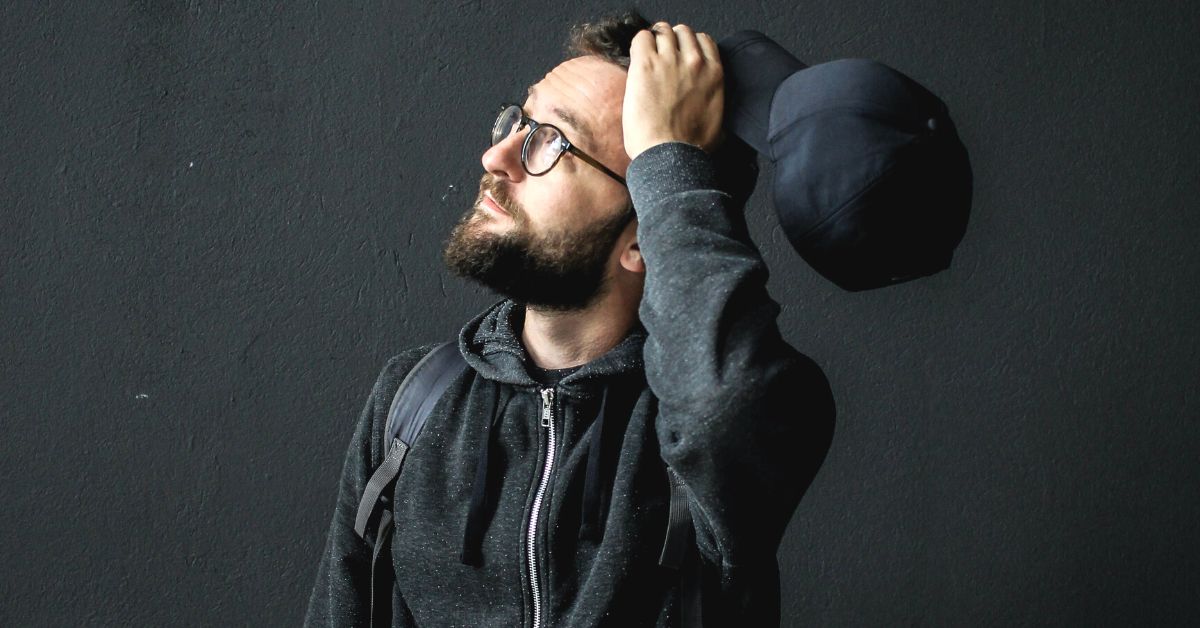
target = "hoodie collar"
x: 491, y: 344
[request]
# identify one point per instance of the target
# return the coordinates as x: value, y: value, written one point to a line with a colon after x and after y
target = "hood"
x: 491, y: 344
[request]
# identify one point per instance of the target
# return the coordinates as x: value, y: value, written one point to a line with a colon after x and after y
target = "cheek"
x: 558, y: 201
x: 553, y: 205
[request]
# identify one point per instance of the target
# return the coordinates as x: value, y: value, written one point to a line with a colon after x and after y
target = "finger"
x: 641, y: 47
x: 689, y: 48
x: 664, y: 40
x: 708, y: 47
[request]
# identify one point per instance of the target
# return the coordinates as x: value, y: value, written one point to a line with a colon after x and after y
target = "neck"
x: 558, y: 340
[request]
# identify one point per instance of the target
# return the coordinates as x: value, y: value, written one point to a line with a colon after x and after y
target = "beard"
x: 561, y: 270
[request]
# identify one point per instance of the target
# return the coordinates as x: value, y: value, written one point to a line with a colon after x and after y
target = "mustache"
x: 499, y: 193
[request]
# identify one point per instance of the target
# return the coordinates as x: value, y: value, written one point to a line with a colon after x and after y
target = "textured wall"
x: 219, y: 221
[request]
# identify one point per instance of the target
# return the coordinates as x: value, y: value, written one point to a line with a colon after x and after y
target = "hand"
x: 675, y: 91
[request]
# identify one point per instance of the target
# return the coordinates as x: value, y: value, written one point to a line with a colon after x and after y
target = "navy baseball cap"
x: 872, y: 184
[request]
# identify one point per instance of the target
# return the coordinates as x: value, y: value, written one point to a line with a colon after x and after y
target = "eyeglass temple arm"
x: 584, y: 156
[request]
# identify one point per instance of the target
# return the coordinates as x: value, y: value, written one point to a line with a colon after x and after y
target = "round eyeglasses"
x: 543, y: 146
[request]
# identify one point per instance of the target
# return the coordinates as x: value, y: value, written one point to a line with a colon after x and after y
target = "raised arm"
x: 744, y: 418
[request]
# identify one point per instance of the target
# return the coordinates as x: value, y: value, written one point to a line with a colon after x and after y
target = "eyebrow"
x: 567, y: 116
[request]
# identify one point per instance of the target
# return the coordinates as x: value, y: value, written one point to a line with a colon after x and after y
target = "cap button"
x: 932, y: 124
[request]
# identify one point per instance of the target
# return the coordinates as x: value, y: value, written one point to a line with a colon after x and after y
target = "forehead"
x: 584, y: 96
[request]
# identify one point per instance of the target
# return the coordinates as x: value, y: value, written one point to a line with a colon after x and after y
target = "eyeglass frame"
x: 566, y: 146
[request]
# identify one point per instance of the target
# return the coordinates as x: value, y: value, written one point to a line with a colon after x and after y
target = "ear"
x: 630, y: 255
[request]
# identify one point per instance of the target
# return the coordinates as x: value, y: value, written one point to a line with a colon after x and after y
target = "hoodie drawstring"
x: 472, y: 550
x: 591, y: 524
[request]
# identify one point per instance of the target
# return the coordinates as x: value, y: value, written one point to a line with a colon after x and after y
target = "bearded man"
x: 635, y: 346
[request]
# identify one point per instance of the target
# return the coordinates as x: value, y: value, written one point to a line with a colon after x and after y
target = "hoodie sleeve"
x: 341, y: 595
x: 743, y: 418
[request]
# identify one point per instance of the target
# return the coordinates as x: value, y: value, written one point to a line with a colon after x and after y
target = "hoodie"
x: 532, y: 506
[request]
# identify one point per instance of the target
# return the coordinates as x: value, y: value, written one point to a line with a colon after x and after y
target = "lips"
x: 493, y: 205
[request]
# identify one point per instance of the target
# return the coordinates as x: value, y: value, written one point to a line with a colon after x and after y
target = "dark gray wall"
x: 219, y: 221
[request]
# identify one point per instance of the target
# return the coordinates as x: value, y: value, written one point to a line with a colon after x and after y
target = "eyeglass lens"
x: 541, y: 149
x: 506, y: 124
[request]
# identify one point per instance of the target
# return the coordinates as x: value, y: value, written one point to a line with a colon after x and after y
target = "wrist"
x: 651, y: 142
x: 669, y: 168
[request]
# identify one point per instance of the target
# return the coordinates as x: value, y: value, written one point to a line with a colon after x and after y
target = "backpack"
x: 414, y: 400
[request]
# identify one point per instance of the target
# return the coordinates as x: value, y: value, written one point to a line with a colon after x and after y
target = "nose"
x: 504, y: 159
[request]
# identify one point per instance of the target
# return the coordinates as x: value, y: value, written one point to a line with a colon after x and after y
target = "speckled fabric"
x: 705, y: 383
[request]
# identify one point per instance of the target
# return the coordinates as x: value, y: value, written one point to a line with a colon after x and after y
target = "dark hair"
x: 608, y: 37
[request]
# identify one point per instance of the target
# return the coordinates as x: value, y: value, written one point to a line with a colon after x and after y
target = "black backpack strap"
x: 414, y: 400
x: 679, y: 552
x: 381, y: 588
x: 411, y: 406
x: 679, y: 525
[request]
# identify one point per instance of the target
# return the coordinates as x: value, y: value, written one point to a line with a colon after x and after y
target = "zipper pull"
x: 547, y: 406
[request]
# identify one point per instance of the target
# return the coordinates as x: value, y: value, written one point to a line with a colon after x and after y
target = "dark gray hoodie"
x: 704, y: 383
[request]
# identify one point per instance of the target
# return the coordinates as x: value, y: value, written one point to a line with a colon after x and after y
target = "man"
x: 537, y: 494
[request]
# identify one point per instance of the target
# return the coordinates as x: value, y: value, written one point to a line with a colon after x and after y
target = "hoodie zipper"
x: 530, y: 542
